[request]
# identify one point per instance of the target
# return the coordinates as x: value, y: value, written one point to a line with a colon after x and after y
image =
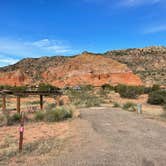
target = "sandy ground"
x: 35, y: 131
x: 106, y: 137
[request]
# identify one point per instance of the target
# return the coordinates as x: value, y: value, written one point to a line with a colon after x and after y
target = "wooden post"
x: 3, y: 103
x: 21, y: 132
x: 41, y: 102
x: 18, y: 104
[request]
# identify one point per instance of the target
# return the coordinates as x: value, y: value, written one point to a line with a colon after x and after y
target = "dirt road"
x: 110, y: 137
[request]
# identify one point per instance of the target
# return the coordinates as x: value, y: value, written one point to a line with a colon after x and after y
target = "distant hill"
x: 85, y: 68
x: 149, y: 63
x: 113, y: 67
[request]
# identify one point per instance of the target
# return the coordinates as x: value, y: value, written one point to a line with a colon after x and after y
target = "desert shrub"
x: 6, y: 87
x: 105, y: 90
x: 50, y: 106
x: 86, y: 87
x: 148, y: 90
x: 39, y: 116
x: 155, y: 87
x: 47, y: 87
x: 18, y: 88
x: 3, y: 120
x: 83, y: 97
x: 6, y: 119
x: 92, y: 102
x: 157, y: 97
x: 129, y: 106
x: 13, y: 119
x: 116, y: 105
x: 58, y: 114
x: 131, y: 92
x: 33, y: 102
x: 107, y: 87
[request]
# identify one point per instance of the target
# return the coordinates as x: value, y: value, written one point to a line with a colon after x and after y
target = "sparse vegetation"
x: 116, y: 105
x: 39, y: 116
x: 54, y: 114
x: 10, y: 148
x: 3, y: 120
x: 46, y: 87
x: 50, y: 106
x: 6, y: 119
x: 13, y: 119
x: 33, y: 102
x: 57, y: 114
x: 157, y: 97
x: 107, y: 87
x: 129, y: 106
x: 131, y: 92
x: 84, y: 97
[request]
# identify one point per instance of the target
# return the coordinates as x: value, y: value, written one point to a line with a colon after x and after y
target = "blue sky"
x: 34, y: 28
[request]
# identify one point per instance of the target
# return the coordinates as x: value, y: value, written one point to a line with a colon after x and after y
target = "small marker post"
x: 139, y: 108
x: 21, y: 132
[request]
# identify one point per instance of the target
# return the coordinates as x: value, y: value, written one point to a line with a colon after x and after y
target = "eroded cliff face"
x: 14, y: 78
x: 90, y: 69
x: 83, y: 69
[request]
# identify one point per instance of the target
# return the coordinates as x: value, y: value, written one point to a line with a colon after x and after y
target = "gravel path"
x: 118, y: 138
x: 111, y: 137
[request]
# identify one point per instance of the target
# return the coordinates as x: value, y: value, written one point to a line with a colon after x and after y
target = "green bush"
x: 5, y: 87
x: 18, y: 88
x: 116, y: 105
x: 157, y: 97
x: 3, y: 120
x: 47, y: 87
x: 50, y: 106
x: 57, y: 114
x: 13, y: 119
x: 129, y: 106
x: 107, y: 87
x: 39, y: 116
x: 86, y: 87
x: 155, y: 87
x: 92, y: 102
x: 131, y: 92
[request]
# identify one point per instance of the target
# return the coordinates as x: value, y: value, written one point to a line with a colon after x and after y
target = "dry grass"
x: 39, y: 138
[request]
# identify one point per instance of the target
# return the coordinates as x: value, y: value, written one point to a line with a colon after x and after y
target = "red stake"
x: 21, y: 131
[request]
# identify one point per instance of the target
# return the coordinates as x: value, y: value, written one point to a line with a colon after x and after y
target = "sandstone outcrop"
x: 85, y: 68
x: 90, y: 69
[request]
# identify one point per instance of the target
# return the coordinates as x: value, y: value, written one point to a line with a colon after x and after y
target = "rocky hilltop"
x: 149, y: 63
x: 85, y: 68
x: 128, y: 66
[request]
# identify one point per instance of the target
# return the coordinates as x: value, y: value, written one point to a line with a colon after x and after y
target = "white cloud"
x: 5, y: 60
x: 51, y: 45
x: 11, y: 50
x: 155, y: 29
